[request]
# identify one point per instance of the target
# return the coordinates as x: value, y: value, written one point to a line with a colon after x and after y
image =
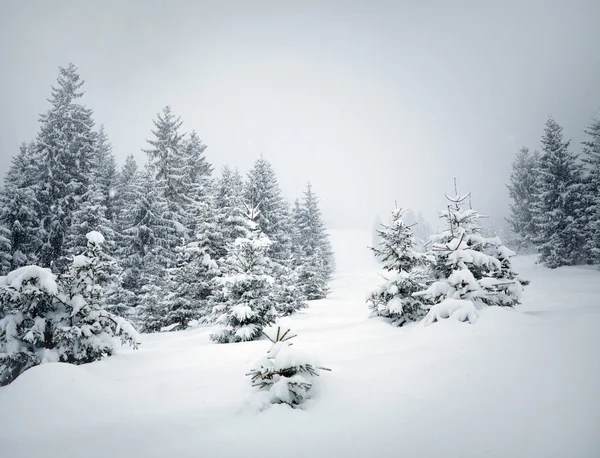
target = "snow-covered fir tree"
x: 591, y: 159
x: 522, y: 191
x: 19, y: 211
x: 313, y: 254
x: 395, y: 299
x: 27, y: 298
x: 167, y: 162
x: 558, y: 211
x: 146, y: 249
x: 66, y: 148
x: 45, y: 321
x: 262, y: 190
x: 87, y: 334
x: 284, y: 376
x: 106, y: 175
x: 288, y: 292
x: 197, y: 184
x: 127, y: 188
x: 247, y: 292
x: 190, y: 287
x: 469, y: 270
x: 229, y: 208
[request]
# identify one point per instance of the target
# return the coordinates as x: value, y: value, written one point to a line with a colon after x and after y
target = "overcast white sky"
x: 371, y: 101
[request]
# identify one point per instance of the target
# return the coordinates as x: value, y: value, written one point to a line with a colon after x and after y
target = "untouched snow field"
x: 517, y: 383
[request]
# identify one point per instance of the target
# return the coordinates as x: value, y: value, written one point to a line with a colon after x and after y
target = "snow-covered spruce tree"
x: 190, y: 286
x: 89, y: 215
x: 314, y: 257
x: 6, y: 257
x: 19, y: 209
x: 469, y: 270
x: 285, y: 376
x: 558, y: 212
x: 197, y: 183
x: 27, y: 300
x: 87, y: 331
x: 66, y: 147
x: 591, y: 159
x: 167, y: 162
x: 287, y: 291
x: 229, y: 208
x: 127, y: 188
x: 262, y: 190
x: 42, y: 321
x: 146, y: 250
x: 521, y: 190
x: 247, y: 303
x: 105, y: 175
x: 395, y: 299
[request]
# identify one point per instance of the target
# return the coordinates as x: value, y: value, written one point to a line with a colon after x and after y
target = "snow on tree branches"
x: 45, y: 320
x: 468, y: 266
x: 395, y: 299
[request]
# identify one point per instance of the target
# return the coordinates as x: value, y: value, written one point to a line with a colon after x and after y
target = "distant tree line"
x: 555, y: 197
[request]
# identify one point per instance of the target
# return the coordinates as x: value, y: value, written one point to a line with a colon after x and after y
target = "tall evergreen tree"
x: 200, y: 206
x: 19, y: 212
x: 127, y: 188
x: 558, y: 212
x: 146, y: 245
x: 522, y: 191
x: 592, y: 196
x: 105, y: 174
x: 262, y: 190
x: 316, y: 262
x: 167, y: 161
x: 66, y: 147
x: 229, y: 208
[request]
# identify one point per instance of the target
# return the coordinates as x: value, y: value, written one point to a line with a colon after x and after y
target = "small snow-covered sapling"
x: 285, y: 375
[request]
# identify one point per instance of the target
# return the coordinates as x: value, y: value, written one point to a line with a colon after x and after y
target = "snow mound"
x: 457, y: 309
x: 16, y: 278
x: 95, y: 237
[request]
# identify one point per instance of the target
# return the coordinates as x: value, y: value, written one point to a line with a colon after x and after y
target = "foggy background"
x: 371, y: 101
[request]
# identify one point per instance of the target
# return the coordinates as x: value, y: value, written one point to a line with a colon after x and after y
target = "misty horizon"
x: 371, y: 104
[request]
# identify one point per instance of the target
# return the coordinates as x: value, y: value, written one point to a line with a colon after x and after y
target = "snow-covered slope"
x: 521, y: 383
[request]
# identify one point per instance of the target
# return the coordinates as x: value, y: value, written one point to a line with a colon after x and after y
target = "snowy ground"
x: 521, y: 383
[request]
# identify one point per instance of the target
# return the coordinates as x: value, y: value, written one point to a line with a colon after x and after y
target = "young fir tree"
x: 469, y: 270
x: 262, y: 190
x: 45, y: 321
x: 87, y: 334
x: 522, y: 191
x: 558, y: 212
x: 395, y: 299
x: 592, y: 199
x: 190, y: 287
x: 284, y: 376
x: 19, y: 210
x: 66, y: 147
x: 314, y: 256
x: 167, y: 162
x: 247, y: 300
x: 229, y: 209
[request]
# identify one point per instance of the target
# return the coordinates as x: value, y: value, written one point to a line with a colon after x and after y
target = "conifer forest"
x: 332, y: 229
